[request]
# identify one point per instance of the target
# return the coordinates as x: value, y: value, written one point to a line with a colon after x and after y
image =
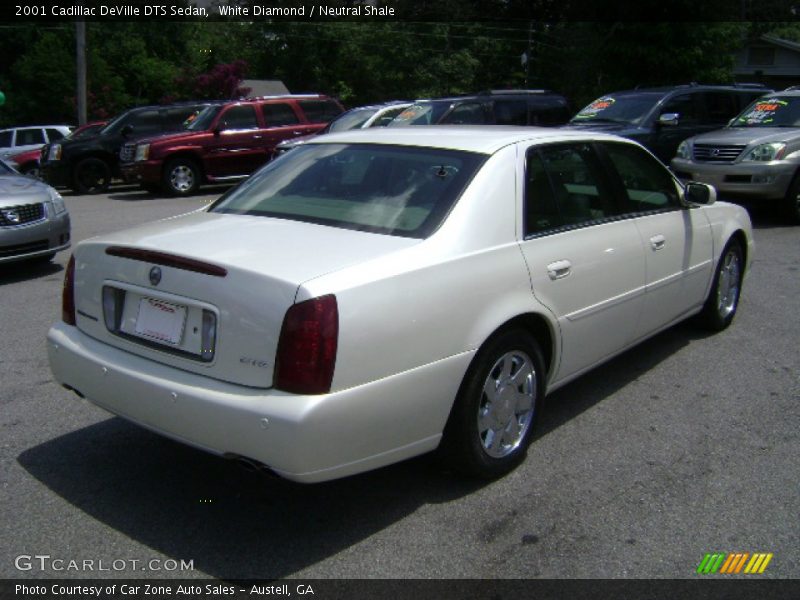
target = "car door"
x: 27, y: 138
x: 281, y: 122
x: 235, y: 148
x: 677, y: 241
x: 585, y: 264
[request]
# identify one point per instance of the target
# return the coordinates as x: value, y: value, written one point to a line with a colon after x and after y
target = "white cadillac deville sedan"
x: 379, y: 294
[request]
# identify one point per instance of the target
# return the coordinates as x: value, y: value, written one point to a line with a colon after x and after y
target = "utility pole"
x: 80, y: 60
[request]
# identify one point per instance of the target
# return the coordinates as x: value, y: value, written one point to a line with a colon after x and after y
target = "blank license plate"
x: 161, y: 321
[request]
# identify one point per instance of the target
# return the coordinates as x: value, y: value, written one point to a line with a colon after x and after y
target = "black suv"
x: 496, y: 107
x: 661, y: 118
x: 88, y: 165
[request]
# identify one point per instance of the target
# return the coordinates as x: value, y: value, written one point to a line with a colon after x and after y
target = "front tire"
x: 723, y: 299
x: 181, y: 177
x: 491, y: 423
x: 92, y: 176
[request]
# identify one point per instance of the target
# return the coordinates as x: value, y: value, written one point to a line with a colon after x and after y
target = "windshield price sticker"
x: 595, y: 108
x: 763, y: 112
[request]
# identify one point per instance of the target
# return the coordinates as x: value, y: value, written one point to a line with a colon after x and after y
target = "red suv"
x: 224, y: 143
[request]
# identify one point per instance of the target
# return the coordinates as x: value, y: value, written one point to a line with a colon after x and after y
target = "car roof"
x: 482, y: 139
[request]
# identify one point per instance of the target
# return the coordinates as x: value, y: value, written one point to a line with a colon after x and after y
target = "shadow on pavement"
x: 27, y: 270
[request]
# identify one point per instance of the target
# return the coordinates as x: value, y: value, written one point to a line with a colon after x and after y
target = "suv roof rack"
x: 501, y: 92
x: 278, y: 96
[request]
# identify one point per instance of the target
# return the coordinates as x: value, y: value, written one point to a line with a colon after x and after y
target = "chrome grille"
x: 127, y: 152
x: 19, y: 215
x: 717, y: 152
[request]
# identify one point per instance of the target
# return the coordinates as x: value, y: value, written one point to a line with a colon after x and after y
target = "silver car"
x: 756, y: 157
x: 34, y: 222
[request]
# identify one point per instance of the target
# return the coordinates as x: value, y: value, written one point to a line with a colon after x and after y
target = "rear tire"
x: 492, y: 420
x: 723, y: 299
x: 92, y: 176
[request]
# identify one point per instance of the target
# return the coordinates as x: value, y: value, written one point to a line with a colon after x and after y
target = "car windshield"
x: 116, y: 125
x: 86, y: 131
x: 396, y: 190
x: 770, y: 111
x: 422, y: 113
x: 352, y: 119
x: 618, y: 108
x: 204, y: 118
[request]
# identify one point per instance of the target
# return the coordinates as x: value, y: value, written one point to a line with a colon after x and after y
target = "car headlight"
x: 142, y: 152
x: 684, y: 150
x: 55, y: 152
x: 766, y: 152
x: 58, y: 202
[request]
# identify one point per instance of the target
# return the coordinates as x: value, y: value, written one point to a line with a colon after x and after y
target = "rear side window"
x: 320, y: 111
x: 278, y: 114
x: 511, y: 112
x: 397, y: 190
x: 145, y: 122
x: 648, y: 185
x: 27, y: 137
x: 53, y: 134
x: 564, y: 188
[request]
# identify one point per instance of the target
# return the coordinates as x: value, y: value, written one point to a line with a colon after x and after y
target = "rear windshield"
x: 770, y: 111
x: 396, y: 190
x: 626, y: 108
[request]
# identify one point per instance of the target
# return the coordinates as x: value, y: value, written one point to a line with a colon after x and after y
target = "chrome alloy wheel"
x: 507, y: 403
x: 728, y: 283
x: 181, y: 178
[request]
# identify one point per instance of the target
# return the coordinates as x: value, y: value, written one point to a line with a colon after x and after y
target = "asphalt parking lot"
x: 684, y: 446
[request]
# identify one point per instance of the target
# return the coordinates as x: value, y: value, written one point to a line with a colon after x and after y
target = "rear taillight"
x: 306, y: 353
x: 68, y: 294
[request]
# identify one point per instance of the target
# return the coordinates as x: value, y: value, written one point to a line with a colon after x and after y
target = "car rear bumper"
x: 303, y: 438
x: 34, y: 240
x: 752, y: 180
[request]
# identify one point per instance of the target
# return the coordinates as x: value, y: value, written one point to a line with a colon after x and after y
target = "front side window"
x: 202, y: 121
x: 471, y: 113
x: 242, y: 116
x: 396, y: 190
x: 54, y: 134
x: 564, y: 188
x: 648, y: 185
x: 146, y: 122
x: 686, y: 107
x: 511, y: 112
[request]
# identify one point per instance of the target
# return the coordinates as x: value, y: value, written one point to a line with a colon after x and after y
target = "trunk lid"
x: 255, y: 266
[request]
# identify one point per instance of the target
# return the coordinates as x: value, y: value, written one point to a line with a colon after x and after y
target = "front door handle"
x: 657, y: 242
x: 559, y: 269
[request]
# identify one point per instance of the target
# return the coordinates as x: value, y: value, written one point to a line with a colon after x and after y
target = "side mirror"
x: 669, y: 119
x: 127, y: 130
x: 699, y: 194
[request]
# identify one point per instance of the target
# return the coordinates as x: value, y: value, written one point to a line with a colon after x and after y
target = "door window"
x: 564, y: 188
x: 145, y: 122
x: 686, y: 107
x: 511, y: 112
x: 242, y: 116
x: 28, y: 137
x: 648, y: 185
x: 54, y: 134
x: 470, y: 113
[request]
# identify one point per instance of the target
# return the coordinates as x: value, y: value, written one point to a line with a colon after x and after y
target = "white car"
x: 378, y: 294
x: 22, y: 139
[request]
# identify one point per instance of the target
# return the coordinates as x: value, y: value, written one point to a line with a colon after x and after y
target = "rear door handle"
x: 559, y: 269
x: 657, y: 242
